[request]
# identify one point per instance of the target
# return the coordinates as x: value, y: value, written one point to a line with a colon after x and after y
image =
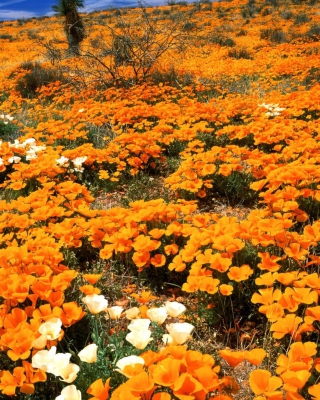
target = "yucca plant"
x: 73, y: 26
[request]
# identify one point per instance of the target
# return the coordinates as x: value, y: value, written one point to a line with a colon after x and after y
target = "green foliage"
x: 312, y: 77
x: 8, y: 131
x: 222, y: 41
x: 235, y: 188
x: 35, y: 77
x: 239, y: 53
x: 314, y: 32
x: 74, y: 27
x: 7, y: 37
x: 274, y: 35
x: 287, y: 15
x: 301, y: 19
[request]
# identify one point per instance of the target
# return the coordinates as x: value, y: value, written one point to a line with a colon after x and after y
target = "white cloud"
x: 92, y: 5
x: 13, y: 14
x: 9, y: 2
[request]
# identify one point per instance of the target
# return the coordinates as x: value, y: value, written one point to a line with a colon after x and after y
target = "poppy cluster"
x: 236, y: 154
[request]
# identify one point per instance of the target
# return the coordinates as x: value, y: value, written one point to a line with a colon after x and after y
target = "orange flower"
x: 187, y: 385
x: 99, y: 390
x: 269, y: 262
x: 139, y: 384
x: 144, y: 298
x: 314, y: 391
x: 233, y: 358
x: 89, y: 289
x: 92, y: 278
x: 261, y: 382
x: 158, y: 260
x: 226, y: 290
x: 166, y: 372
x: 239, y: 274
x: 255, y: 356
x: 287, y: 325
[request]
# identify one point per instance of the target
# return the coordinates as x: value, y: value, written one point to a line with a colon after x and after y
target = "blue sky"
x: 14, y: 9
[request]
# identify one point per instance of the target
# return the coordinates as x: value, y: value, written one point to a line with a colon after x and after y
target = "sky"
x: 14, y: 9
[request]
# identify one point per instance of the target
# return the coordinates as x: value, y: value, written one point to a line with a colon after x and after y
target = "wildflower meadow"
x: 160, y: 204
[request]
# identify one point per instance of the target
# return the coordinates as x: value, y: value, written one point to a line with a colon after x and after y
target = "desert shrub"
x: 314, y: 32
x: 189, y: 26
x: 301, y: 19
x: 273, y: 35
x: 222, y: 41
x: 8, y: 37
x: 207, y: 7
x: 242, y: 32
x: 312, y: 77
x: 239, y: 53
x: 266, y: 11
x: 171, y: 77
x: 35, y: 77
x: 287, y: 15
x: 273, y: 3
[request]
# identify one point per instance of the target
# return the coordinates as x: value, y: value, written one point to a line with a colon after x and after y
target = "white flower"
x: 132, y: 313
x: 69, y: 393
x: 180, y: 332
x: 158, y: 315
x: 174, y: 309
x: 58, y: 363
x: 89, y: 353
x: 51, y: 329
x: 81, y: 110
x: 96, y: 303
x: 62, y: 161
x: 36, y: 149
x: 30, y: 141
x: 139, y: 324
x: 16, y: 144
x: 69, y: 372
x: 43, y: 358
x: 14, y: 159
x: 167, y: 339
x: 127, y: 365
x: 78, y: 163
x: 31, y: 155
x: 1, y: 161
x: 139, y: 339
x: 115, y: 312
x: 40, y: 342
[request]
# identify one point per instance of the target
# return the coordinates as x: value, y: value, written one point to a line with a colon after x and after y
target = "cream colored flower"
x: 40, y: 342
x: 78, y: 163
x: 167, y: 339
x: 69, y: 373
x: 139, y: 324
x: 96, y: 303
x: 115, y: 312
x: 158, y: 315
x: 89, y: 354
x: 69, y: 393
x: 51, y: 329
x: 127, y: 366
x: 58, y: 363
x: 14, y: 159
x: 62, y: 161
x: 43, y: 358
x: 174, y: 309
x: 132, y: 313
x: 139, y: 339
x: 180, y: 332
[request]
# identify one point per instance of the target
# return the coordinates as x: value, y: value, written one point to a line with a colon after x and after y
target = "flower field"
x: 160, y: 227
